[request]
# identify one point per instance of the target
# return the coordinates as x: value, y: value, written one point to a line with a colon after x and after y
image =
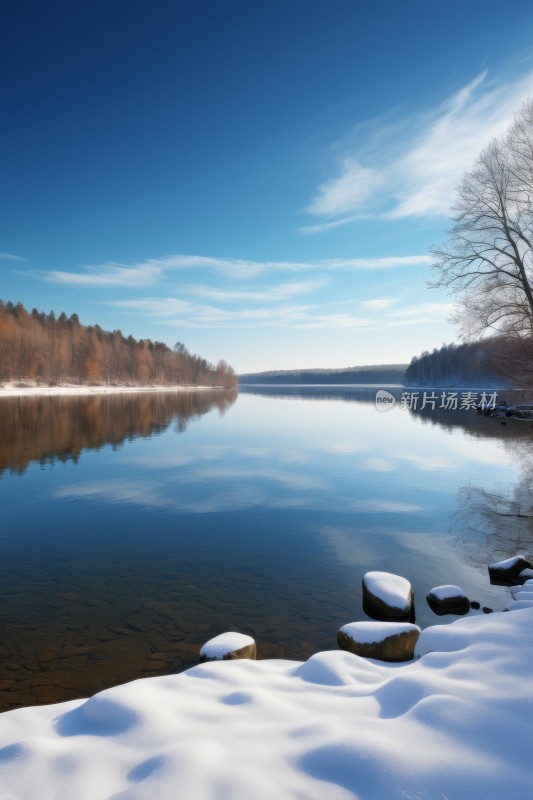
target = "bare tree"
x: 487, y: 261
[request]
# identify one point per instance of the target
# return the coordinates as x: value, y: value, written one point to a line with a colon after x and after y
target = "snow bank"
x: 13, y: 390
x: 455, y: 724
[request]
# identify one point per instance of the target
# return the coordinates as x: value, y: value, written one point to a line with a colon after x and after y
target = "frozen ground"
x: 456, y: 724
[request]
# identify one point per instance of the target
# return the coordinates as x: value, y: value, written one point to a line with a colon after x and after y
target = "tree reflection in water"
x: 49, y: 429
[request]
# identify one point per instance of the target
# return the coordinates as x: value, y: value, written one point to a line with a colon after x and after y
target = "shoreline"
x: 334, y: 726
x: 71, y: 390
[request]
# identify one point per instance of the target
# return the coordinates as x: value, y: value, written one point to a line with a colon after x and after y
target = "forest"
x: 380, y: 373
x: 40, y: 347
x: 498, y: 361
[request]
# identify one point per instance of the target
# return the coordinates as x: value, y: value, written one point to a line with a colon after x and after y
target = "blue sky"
x: 261, y: 181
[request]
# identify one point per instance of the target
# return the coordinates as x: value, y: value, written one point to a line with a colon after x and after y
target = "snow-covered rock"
x: 510, y: 570
x: 386, y: 641
x: 388, y: 597
x: 227, y: 647
x: 448, y: 599
x: 456, y: 723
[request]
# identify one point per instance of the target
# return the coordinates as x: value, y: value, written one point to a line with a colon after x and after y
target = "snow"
x: 520, y: 602
x: 456, y: 723
x: 225, y: 643
x: 392, y: 589
x: 372, y: 632
x: 30, y: 390
x: 526, y: 573
x: 446, y: 592
x: 519, y: 590
x: 508, y: 563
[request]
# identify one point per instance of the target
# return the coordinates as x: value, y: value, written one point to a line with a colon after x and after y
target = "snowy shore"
x: 31, y: 390
x: 454, y: 724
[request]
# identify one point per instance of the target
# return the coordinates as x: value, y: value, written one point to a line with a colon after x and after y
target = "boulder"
x: 509, y: 571
x: 227, y: 647
x: 448, y: 600
x: 388, y: 597
x: 385, y: 641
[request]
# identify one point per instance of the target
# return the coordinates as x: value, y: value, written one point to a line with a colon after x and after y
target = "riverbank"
x: 455, y: 723
x: 36, y: 390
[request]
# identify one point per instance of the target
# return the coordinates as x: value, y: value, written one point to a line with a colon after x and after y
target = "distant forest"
x: 380, y: 373
x: 44, y: 348
x: 497, y: 361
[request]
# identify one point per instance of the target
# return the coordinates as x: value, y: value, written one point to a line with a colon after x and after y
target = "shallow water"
x: 134, y: 528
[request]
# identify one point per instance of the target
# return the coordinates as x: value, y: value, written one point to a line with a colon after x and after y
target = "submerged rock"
x: 388, y: 597
x: 448, y: 599
x: 227, y: 647
x: 509, y: 571
x: 386, y: 641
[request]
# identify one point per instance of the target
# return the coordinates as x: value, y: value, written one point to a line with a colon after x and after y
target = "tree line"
x: 378, y: 373
x: 454, y: 364
x: 41, y: 347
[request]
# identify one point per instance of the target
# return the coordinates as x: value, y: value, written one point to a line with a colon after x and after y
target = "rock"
x: 475, y: 605
x: 448, y: 600
x: 388, y: 597
x: 487, y: 610
x: 228, y: 646
x: 505, y: 573
x: 386, y: 641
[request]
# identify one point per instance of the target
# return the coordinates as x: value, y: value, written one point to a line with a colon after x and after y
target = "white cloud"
x: 379, y: 303
x: 11, y: 257
x: 174, y: 312
x: 416, y: 164
x: 388, y: 506
x: 155, y: 270
x: 283, y: 291
x: 420, y: 314
x: 108, y: 275
x: 347, y: 192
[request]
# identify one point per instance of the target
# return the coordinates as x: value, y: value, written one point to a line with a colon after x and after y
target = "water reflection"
x: 49, y: 429
x: 264, y: 519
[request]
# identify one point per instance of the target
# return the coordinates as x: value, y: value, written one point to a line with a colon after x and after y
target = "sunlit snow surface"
x: 455, y: 724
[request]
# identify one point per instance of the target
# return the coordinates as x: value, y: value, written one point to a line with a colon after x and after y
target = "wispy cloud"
x: 11, y: 257
x: 108, y: 275
x: 379, y: 303
x: 283, y: 291
x: 419, y: 314
x: 153, y: 271
x: 175, y: 312
x: 416, y: 164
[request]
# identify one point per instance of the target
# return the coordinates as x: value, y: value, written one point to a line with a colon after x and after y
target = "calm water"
x: 134, y: 528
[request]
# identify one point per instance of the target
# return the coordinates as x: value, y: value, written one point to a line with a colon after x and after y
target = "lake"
x: 136, y: 527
